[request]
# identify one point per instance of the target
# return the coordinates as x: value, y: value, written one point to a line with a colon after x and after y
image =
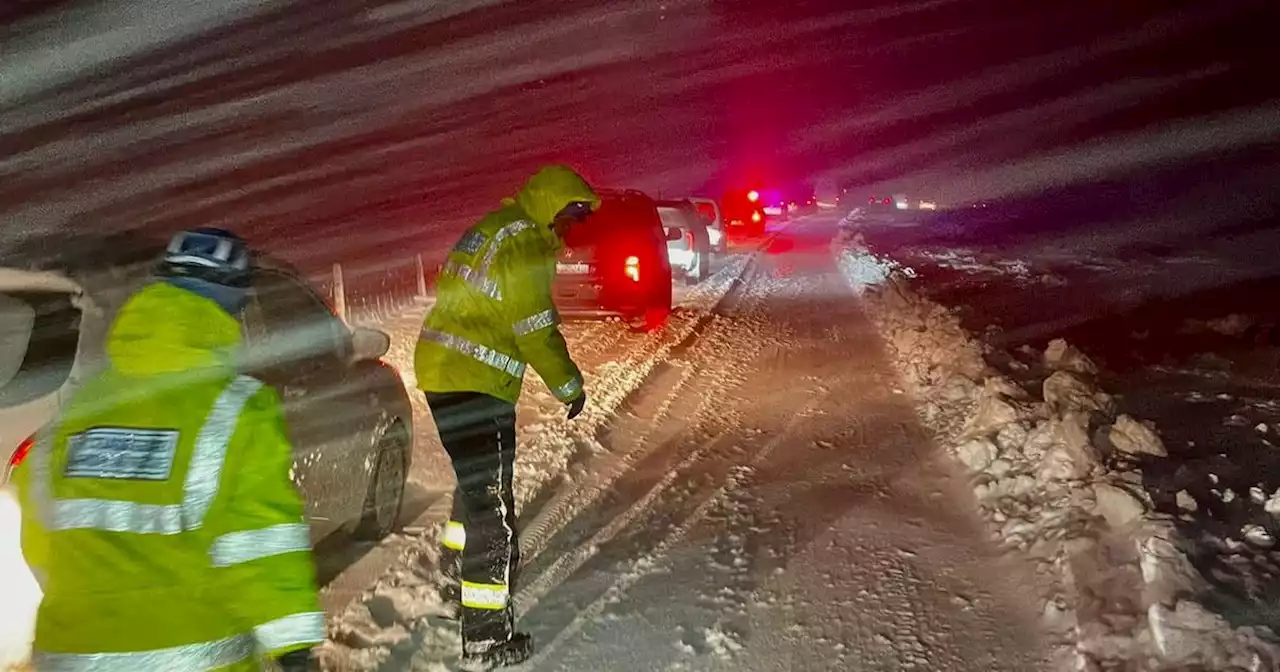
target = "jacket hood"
x: 165, y: 329
x: 550, y: 190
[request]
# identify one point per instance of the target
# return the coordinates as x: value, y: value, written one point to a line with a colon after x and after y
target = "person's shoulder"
x: 263, y: 398
x: 499, y: 218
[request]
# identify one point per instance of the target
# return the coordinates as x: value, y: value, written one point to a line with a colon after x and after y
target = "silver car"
x: 346, y: 410
x: 690, y: 252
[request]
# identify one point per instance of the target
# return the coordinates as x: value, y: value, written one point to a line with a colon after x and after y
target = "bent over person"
x: 162, y: 520
x: 493, y: 317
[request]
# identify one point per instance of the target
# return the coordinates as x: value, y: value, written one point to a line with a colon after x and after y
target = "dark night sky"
x: 373, y: 134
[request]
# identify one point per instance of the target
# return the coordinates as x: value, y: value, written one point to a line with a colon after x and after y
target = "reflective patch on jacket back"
x: 470, y: 243
x: 122, y: 453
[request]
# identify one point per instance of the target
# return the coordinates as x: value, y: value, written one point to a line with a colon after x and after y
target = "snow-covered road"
x: 750, y: 490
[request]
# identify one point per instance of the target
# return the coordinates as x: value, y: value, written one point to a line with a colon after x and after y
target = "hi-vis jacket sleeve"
x: 263, y: 541
x: 527, y: 267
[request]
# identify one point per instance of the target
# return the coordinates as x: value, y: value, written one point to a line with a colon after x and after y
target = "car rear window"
x: 39, y: 336
x: 616, y: 218
x: 672, y: 218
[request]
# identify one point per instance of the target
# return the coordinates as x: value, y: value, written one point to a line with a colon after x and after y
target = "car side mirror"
x: 369, y: 344
x: 674, y: 234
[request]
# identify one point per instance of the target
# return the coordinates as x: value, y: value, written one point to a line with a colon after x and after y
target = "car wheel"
x: 386, y: 489
x: 651, y: 319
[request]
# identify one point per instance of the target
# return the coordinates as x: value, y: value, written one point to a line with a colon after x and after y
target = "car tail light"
x: 887, y: 201
x: 755, y: 217
x: 23, y: 450
x: 633, y: 268
x: 753, y: 195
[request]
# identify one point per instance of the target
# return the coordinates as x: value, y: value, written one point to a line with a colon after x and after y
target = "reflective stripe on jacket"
x: 165, y: 525
x: 494, y: 313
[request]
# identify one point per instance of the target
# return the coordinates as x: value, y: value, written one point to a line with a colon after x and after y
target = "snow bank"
x: 19, y: 588
x: 1057, y: 476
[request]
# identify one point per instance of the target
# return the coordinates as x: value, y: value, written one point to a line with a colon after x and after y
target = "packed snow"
x: 1059, y: 474
x: 662, y: 534
x: 684, y: 526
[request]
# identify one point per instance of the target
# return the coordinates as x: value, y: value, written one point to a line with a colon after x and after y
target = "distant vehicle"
x: 709, y: 210
x: 895, y: 208
x: 616, y: 263
x: 690, y: 256
x: 347, y: 412
x: 827, y: 193
x: 799, y: 198
x: 743, y: 213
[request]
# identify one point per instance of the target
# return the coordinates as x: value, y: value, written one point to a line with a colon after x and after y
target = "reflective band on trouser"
x: 200, y: 487
x: 528, y: 325
x: 249, y: 545
x: 290, y: 631
x: 455, y: 536
x: 478, y: 280
x: 484, y: 595
x: 480, y: 353
x: 569, y: 390
x: 202, y: 656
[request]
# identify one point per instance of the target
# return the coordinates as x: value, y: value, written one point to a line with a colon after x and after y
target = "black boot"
x: 511, y: 652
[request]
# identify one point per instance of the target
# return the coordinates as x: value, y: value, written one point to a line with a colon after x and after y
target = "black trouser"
x: 479, y: 433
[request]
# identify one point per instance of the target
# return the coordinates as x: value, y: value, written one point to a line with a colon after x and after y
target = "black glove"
x: 575, y: 406
x: 297, y: 661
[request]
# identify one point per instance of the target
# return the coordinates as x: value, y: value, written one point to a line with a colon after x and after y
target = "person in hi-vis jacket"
x: 158, y: 509
x: 492, y: 318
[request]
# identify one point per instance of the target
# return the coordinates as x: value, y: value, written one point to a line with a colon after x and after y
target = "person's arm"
x: 527, y: 268
x: 264, y: 542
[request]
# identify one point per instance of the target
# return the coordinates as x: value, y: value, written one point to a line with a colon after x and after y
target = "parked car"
x: 690, y: 255
x: 744, y: 213
x: 41, y: 358
x: 709, y: 210
x: 347, y: 412
x: 616, y: 263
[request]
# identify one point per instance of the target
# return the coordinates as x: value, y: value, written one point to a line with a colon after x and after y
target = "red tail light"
x: 23, y: 450
x: 633, y: 268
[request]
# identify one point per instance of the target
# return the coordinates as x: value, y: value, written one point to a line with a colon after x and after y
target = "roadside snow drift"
x: 1057, y: 475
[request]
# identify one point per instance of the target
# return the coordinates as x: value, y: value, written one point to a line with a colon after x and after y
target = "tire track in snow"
x: 679, y: 442
x: 643, y: 354
x: 568, y: 502
x: 731, y: 480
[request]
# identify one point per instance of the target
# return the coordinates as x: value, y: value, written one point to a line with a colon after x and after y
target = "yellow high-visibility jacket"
x: 159, y: 511
x: 494, y: 312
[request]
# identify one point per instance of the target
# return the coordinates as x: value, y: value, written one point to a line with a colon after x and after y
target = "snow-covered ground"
x: 816, y: 466
x: 751, y: 491
x: 1082, y: 479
